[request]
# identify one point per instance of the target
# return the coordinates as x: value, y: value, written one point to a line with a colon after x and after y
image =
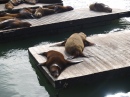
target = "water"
x: 20, y: 78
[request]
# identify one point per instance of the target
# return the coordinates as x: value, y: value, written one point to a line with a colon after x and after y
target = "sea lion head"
x: 82, y: 35
x: 26, y: 24
x: 26, y: 13
x: 39, y: 12
x: 55, y: 70
x: 102, y: 7
x: 69, y: 8
x: 107, y: 9
x: 9, y: 6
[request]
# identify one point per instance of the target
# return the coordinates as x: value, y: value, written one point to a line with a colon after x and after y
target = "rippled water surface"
x: 20, y: 78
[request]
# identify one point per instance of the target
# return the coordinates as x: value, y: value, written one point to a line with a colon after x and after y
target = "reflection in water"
x: 119, y: 94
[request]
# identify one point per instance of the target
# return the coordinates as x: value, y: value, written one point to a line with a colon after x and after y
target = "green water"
x: 20, y: 78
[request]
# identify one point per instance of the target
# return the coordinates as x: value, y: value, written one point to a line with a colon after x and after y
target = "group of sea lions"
x: 30, y: 13
x: 7, y: 19
x: 74, y: 46
x: 12, y: 3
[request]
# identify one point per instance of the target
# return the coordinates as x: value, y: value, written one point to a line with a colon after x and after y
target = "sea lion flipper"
x: 43, y: 53
x: 59, y: 44
x: 87, y: 43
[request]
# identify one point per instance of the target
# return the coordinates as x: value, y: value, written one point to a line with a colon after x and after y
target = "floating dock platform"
x: 60, y: 22
x: 110, y: 58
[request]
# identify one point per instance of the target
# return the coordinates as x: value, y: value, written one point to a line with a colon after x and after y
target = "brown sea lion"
x: 56, y: 62
x: 22, y: 14
x: 75, y: 44
x: 27, y: 13
x: 40, y: 12
x: 60, y: 8
x: 13, y: 23
x: 9, y: 5
x: 14, y: 15
x: 100, y: 7
x: 5, y: 18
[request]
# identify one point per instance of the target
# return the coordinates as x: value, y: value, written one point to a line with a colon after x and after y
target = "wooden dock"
x: 110, y: 58
x: 60, y: 22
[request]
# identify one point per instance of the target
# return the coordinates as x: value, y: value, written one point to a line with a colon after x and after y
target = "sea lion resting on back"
x: 100, y: 7
x: 75, y: 44
x: 56, y: 62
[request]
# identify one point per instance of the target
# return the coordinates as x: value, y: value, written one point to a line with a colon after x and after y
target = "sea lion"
x: 9, y: 6
x: 56, y: 62
x: 60, y: 8
x: 13, y: 23
x: 26, y: 13
x: 23, y: 14
x: 75, y: 44
x: 3, y: 18
x: 40, y: 12
x: 100, y: 7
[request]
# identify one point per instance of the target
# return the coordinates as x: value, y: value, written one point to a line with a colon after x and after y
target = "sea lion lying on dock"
x: 75, y: 44
x: 9, y: 5
x: 100, y: 7
x: 56, y: 62
x: 59, y: 8
x: 40, y: 12
x: 22, y: 14
x: 26, y: 13
x: 13, y: 23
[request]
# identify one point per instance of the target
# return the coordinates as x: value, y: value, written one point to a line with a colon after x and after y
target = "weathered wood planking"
x: 60, y: 22
x: 110, y: 53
